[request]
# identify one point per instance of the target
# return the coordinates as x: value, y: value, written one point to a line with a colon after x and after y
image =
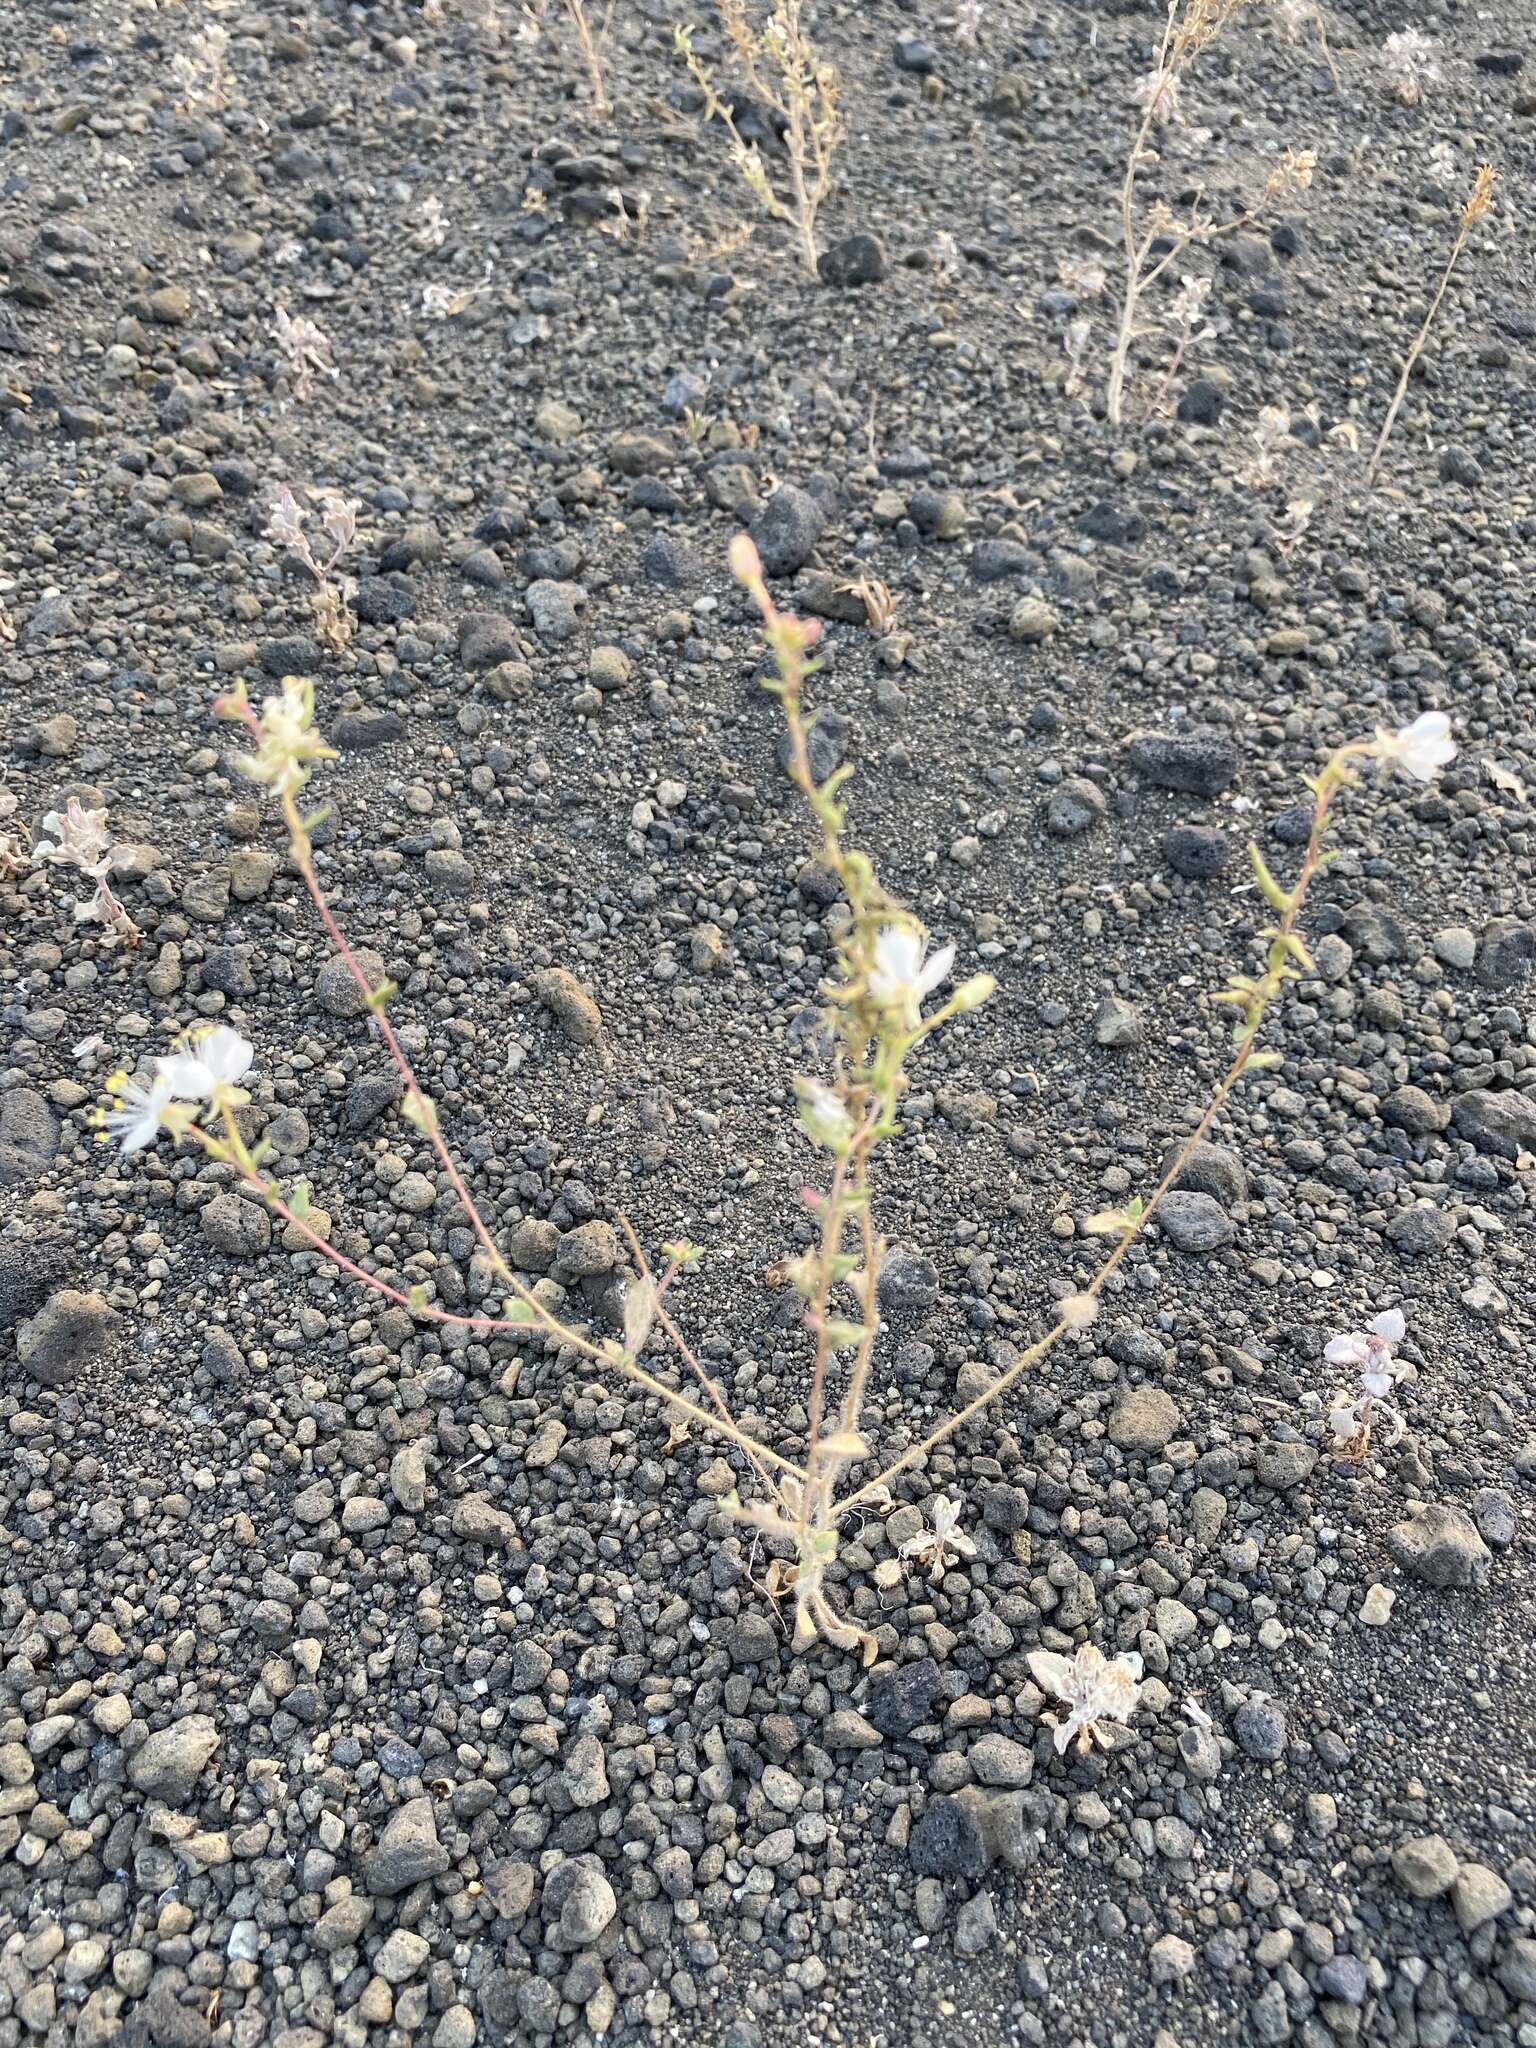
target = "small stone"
x: 901, y: 1700
x: 556, y: 422
x: 408, y: 1476
x: 857, y: 259
x: 1194, y: 1223
x: 29, y: 1136
x: 1117, y: 1024
x: 976, y: 1925
x: 578, y: 1892
x: 338, y: 993
x: 402, y: 1954
x: 1376, y: 1607
x: 1144, y: 1420
x: 908, y: 1283
x: 1506, y: 952
x: 1032, y: 620
x: 1074, y: 808
x: 786, y: 530
x: 1259, y: 1726
x: 1478, y: 1896
x: 1494, y: 1513
x: 1000, y: 1761
x: 569, y: 1004
x: 1441, y: 1546
x: 1198, y: 764
x: 236, y: 1227
x: 1411, y: 1109
x: 1517, y: 1969
x: 1280, y: 1466
x: 406, y: 1852
x: 1422, y: 1232
x: 1197, y: 851
x: 1170, y: 1960
x: 948, y: 1842
x: 1455, y: 947
x: 64, y: 1336
x: 1502, y: 1121
x: 1425, y: 1866
x: 584, y: 1773
x: 167, y: 1766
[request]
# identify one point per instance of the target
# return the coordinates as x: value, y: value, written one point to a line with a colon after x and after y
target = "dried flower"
x: 1409, y: 66
x: 968, y: 23
x: 1370, y: 1353
x: 1480, y: 198
x: 931, y: 1547
x: 1421, y: 749
x: 1094, y: 1687
x: 1293, y: 173
x: 1157, y: 93
x: 80, y: 839
x: 1271, y: 432
x: 823, y: 1115
x: 306, y: 347
x: 432, y: 229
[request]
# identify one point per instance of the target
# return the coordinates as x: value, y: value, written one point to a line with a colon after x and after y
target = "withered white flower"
x: 1094, y: 1687
x: 80, y: 839
x: 931, y: 1547
x: 1368, y: 1352
x: 288, y: 740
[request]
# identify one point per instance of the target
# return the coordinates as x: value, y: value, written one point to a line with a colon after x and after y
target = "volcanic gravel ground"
x: 368, y: 1682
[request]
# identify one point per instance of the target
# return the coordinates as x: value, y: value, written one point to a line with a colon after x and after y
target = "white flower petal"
x: 935, y: 971
x: 1390, y: 1326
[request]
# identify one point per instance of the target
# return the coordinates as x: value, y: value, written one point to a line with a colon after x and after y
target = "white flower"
x: 823, y: 1116
x: 932, y: 1547
x: 288, y: 740
x: 900, y: 977
x: 1368, y: 1352
x: 1421, y: 749
x: 210, y: 1063
x: 136, y: 1116
x: 1094, y: 1687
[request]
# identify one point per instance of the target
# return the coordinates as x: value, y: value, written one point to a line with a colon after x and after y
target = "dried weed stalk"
x: 1479, y: 202
x: 1191, y: 27
x: 799, y: 90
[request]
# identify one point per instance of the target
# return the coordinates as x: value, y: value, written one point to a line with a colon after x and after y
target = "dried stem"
x: 1479, y: 200
x: 425, y: 1119
x: 590, y: 43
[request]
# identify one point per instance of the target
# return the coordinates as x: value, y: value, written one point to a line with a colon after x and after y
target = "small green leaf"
x: 298, y: 1201
x: 844, y: 1336
x: 1273, y: 894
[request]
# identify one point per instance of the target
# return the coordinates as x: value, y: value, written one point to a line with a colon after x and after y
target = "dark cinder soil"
x: 365, y: 1685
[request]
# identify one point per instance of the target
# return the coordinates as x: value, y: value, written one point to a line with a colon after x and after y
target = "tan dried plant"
x: 1191, y: 26
x: 1479, y: 203
x: 800, y: 92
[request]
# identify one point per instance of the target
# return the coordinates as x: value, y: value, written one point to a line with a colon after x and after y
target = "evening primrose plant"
x: 886, y: 994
